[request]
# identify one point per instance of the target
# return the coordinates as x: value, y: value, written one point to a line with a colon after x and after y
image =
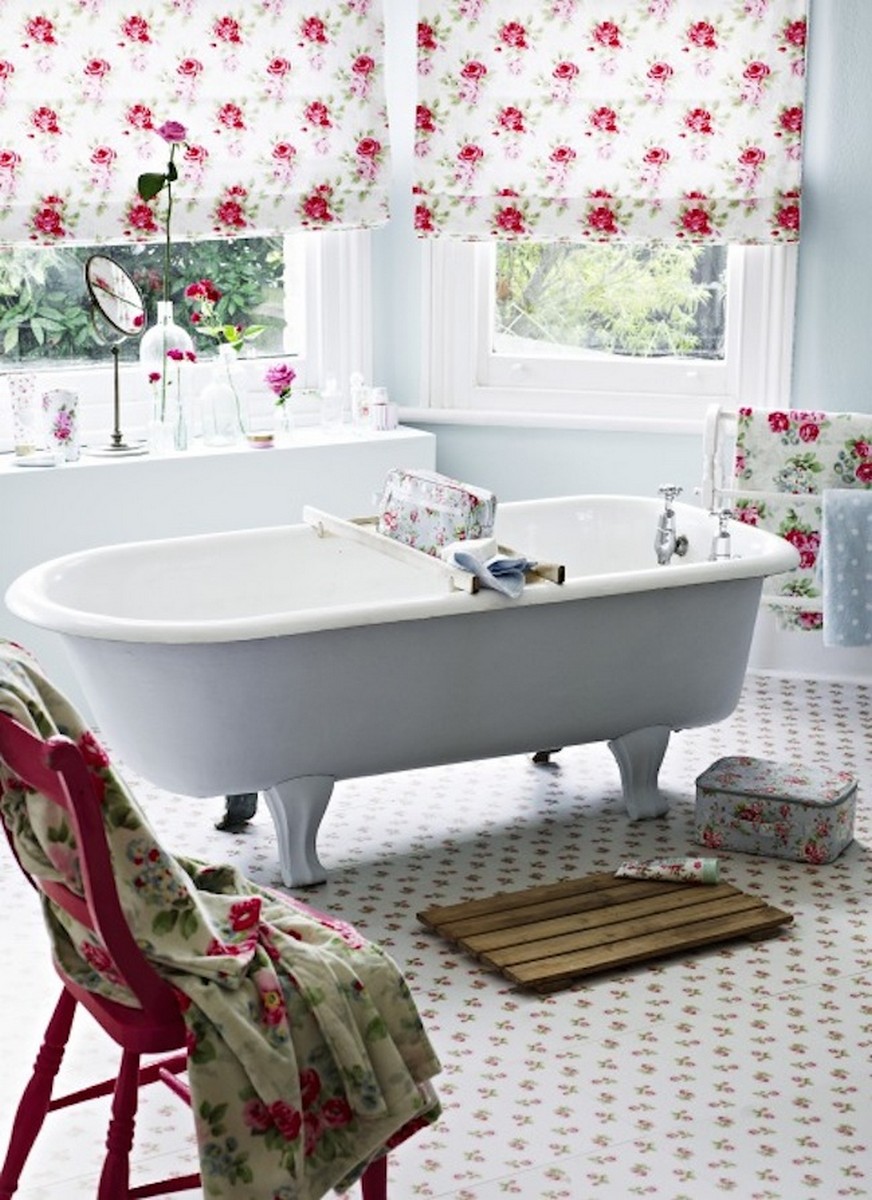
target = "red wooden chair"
x: 57, y: 769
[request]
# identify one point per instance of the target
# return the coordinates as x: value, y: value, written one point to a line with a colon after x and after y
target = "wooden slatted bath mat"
x: 545, y: 937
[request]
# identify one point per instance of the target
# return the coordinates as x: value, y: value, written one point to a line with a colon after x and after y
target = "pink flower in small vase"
x: 279, y: 379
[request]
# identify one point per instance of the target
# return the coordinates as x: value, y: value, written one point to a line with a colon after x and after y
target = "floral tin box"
x: 760, y: 807
x: 429, y: 511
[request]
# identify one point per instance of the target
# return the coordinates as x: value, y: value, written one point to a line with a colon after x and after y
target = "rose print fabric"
x: 283, y: 102
x: 592, y: 120
x: 428, y: 511
x: 307, y: 1056
x: 676, y: 870
x: 803, y: 452
x: 780, y: 810
x: 785, y: 460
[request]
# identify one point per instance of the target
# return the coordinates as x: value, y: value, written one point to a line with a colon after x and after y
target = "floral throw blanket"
x: 307, y: 1056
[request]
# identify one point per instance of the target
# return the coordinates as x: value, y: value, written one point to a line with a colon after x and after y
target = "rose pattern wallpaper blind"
x: 282, y: 100
x: 596, y: 120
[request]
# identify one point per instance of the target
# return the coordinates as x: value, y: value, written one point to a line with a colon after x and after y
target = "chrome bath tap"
x: 721, y: 545
x: 667, y: 541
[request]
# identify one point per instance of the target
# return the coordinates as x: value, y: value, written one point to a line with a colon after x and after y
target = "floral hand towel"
x: 307, y: 1056
x: 784, y: 461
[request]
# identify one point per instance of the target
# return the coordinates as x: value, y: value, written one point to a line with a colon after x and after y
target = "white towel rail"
x: 719, y: 448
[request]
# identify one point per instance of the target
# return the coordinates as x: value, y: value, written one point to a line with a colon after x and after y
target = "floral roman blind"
x: 610, y: 119
x: 282, y: 101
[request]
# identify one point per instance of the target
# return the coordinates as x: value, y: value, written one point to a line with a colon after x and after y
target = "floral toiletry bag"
x: 428, y: 511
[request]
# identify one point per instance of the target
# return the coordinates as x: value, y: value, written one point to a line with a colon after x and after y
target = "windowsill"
x: 600, y: 423
x: 314, y: 437
x: 93, y: 386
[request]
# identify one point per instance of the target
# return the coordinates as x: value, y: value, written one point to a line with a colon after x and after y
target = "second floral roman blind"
x: 282, y: 101
x: 586, y: 120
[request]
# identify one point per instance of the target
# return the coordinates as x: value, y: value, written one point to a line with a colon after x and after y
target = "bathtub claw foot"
x: 296, y: 807
x: 239, y: 808
x: 542, y: 758
x: 639, y: 755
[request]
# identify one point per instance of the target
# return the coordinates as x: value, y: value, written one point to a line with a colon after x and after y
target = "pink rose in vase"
x: 279, y: 378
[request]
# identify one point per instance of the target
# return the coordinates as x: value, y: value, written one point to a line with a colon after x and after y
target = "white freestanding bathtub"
x: 278, y: 661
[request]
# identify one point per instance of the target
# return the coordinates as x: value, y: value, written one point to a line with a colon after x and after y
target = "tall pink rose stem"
x: 150, y: 184
x: 171, y: 173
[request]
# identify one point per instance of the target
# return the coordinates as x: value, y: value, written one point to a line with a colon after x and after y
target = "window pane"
x: 45, y: 313
x: 641, y: 301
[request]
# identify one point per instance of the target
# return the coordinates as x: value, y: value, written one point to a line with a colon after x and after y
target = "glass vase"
x: 222, y: 402
x: 283, y: 423
x: 166, y: 352
x: 170, y: 427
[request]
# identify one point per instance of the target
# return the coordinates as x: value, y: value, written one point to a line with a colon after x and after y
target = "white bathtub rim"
x: 62, y: 619
x: 28, y: 597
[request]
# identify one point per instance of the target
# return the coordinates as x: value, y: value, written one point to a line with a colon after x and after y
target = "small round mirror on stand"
x: 119, y: 313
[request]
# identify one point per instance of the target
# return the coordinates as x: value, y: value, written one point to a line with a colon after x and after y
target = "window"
x: 610, y: 333
x: 285, y: 131
x: 635, y: 300
x: 310, y: 290
x: 45, y: 317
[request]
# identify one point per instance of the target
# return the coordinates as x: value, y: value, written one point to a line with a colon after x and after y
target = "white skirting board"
x: 802, y: 654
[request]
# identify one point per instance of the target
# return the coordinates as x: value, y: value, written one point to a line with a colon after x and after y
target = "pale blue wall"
x: 833, y: 346
x: 518, y: 464
x: 834, y: 308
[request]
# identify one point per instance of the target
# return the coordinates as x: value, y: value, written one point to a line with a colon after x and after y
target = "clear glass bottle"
x: 166, y: 352
x: 223, y: 410
x: 284, y: 421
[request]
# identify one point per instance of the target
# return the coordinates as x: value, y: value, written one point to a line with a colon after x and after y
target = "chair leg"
x: 35, y: 1101
x: 115, y: 1176
x: 374, y: 1180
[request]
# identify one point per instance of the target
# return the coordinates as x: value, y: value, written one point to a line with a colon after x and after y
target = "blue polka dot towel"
x: 847, y: 567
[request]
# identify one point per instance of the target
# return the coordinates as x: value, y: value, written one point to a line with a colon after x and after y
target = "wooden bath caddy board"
x: 364, y: 531
x: 546, y: 937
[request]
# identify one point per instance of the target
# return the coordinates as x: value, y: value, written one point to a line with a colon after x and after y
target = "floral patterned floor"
x: 744, y: 1070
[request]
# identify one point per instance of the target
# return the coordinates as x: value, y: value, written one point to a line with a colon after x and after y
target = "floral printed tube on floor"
x: 678, y: 870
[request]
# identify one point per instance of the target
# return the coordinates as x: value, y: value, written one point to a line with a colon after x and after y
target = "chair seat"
x: 129, y: 1027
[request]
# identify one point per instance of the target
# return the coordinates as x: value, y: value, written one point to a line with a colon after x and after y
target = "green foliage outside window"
x: 45, y: 312
x: 641, y: 300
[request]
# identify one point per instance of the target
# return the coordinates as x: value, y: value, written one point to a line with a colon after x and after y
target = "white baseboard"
x: 802, y: 653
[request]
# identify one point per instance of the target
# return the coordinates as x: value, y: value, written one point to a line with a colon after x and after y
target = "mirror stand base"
x: 116, y: 450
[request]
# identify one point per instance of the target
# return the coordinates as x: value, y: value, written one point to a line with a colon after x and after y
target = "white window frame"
x: 337, y: 341
x: 463, y: 382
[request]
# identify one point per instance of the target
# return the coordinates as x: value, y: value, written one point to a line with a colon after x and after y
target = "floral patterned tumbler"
x: 61, y: 409
x: 26, y: 420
